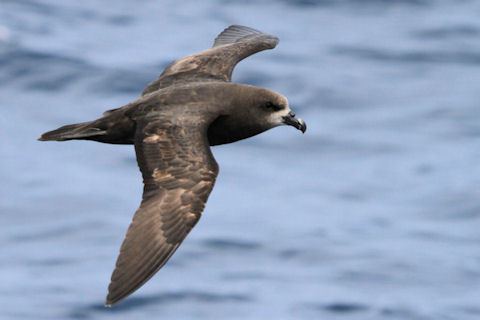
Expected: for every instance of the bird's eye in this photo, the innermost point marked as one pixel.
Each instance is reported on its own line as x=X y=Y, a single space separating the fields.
x=270 y=105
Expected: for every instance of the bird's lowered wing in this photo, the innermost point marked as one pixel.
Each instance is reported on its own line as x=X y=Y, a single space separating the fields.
x=231 y=46
x=178 y=172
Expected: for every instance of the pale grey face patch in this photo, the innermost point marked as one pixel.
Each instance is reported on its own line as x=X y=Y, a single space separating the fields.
x=276 y=118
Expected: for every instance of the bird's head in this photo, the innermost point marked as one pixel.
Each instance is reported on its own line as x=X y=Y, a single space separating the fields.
x=273 y=109
x=248 y=111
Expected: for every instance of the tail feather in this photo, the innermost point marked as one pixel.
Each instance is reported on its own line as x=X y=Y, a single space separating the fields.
x=72 y=131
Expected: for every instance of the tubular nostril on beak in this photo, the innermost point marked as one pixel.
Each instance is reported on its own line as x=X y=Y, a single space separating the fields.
x=291 y=114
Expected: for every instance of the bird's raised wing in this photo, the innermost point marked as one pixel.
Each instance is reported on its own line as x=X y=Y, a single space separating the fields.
x=178 y=172
x=231 y=46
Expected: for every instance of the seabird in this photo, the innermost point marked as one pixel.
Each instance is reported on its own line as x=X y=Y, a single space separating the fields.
x=191 y=106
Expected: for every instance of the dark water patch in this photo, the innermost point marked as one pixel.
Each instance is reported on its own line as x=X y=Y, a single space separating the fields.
x=288 y=254
x=424 y=169
x=50 y=233
x=14 y=56
x=352 y=196
x=34 y=6
x=471 y=310
x=244 y=276
x=401 y=313
x=447 y=32
x=340 y=307
x=230 y=244
x=303 y=257
x=127 y=81
x=345 y=307
x=56 y=232
x=166 y=299
x=120 y=20
x=471 y=131
x=39 y=70
x=80 y=315
x=52 y=262
x=466 y=212
x=309 y=3
x=366 y=276
x=331 y=144
x=59 y=11
x=363 y=148
x=334 y=100
x=437 y=237
x=455 y=206
x=122 y=81
x=53 y=82
x=409 y=57
x=363 y=3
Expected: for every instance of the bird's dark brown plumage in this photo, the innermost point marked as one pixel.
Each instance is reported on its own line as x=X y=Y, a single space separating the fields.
x=191 y=106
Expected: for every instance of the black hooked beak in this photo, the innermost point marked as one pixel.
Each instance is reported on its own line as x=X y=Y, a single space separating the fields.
x=295 y=122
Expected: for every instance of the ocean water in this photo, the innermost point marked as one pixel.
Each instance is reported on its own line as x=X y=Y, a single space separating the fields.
x=374 y=213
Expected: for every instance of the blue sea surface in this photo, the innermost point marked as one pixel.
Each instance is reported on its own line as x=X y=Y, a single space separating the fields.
x=373 y=214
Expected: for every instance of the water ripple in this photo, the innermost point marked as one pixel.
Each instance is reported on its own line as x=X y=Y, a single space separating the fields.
x=230 y=244
x=448 y=32
x=167 y=298
x=470 y=58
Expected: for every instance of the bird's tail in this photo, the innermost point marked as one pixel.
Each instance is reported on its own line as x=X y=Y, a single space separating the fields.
x=83 y=130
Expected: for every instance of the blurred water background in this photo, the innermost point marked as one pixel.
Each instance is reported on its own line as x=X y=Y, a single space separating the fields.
x=373 y=214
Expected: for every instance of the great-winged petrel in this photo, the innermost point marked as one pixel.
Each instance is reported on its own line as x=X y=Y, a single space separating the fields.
x=192 y=105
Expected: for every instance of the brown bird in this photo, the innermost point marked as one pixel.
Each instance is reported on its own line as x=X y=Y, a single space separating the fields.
x=192 y=105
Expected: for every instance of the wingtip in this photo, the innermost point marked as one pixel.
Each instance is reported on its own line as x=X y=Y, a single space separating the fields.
x=113 y=298
x=236 y=32
x=109 y=302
